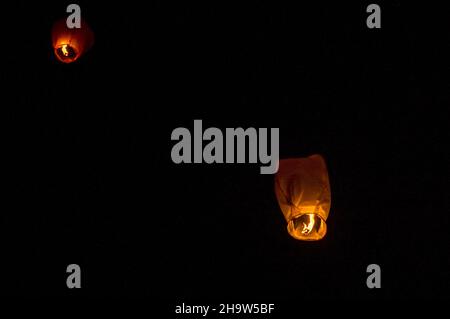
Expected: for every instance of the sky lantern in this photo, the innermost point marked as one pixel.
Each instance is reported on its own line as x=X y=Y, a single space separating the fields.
x=303 y=192
x=69 y=44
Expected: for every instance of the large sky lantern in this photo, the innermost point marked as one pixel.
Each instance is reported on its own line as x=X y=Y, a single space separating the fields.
x=303 y=192
x=70 y=44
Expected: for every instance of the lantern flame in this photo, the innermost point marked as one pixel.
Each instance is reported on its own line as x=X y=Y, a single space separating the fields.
x=64 y=50
x=308 y=228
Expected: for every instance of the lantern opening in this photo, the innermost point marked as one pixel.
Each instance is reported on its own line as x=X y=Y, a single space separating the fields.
x=66 y=53
x=307 y=227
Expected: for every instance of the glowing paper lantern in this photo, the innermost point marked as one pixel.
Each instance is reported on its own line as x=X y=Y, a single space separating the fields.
x=303 y=192
x=70 y=44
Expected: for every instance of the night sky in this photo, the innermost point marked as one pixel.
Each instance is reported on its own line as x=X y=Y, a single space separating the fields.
x=89 y=178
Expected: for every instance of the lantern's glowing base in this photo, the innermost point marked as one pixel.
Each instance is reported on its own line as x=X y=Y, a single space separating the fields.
x=66 y=53
x=307 y=227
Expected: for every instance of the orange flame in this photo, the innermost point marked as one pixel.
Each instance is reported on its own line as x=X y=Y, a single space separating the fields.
x=308 y=228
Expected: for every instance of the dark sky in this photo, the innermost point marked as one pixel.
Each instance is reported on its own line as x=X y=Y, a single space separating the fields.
x=89 y=178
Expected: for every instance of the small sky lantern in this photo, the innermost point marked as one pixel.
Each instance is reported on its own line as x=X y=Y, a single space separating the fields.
x=303 y=192
x=70 y=44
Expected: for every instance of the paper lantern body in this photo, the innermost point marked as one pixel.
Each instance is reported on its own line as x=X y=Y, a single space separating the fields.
x=303 y=192
x=70 y=44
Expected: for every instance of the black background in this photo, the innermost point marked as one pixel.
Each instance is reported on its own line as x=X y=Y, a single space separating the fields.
x=89 y=178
